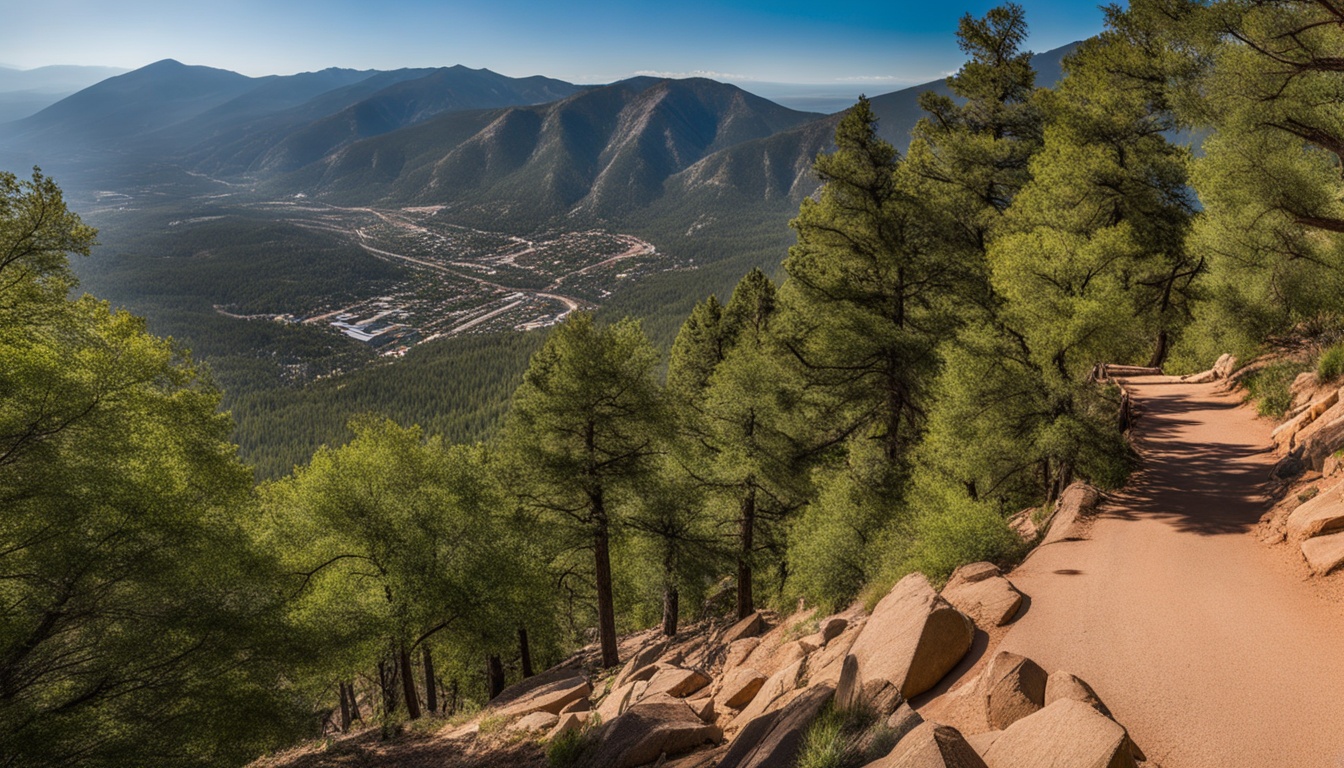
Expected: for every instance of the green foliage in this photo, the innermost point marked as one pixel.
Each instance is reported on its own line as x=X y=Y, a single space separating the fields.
x=140 y=625
x=1270 y=387
x=585 y=428
x=571 y=748
x=1330 y=365
x=844 y=739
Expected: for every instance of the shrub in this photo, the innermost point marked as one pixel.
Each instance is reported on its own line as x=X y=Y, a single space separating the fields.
x=570 y=749
x=844 y=739
x=1330 y=366
x=1271 y=387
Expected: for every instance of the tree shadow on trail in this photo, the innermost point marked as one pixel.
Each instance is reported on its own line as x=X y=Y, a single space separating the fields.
x=1205 y=486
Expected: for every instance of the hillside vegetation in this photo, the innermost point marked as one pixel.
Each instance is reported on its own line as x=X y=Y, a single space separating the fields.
x=918 y=372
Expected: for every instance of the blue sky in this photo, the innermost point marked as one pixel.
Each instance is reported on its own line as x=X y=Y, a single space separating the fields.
x=820 y=41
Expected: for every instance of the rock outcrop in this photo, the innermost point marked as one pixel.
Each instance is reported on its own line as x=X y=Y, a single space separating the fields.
x=913 y=638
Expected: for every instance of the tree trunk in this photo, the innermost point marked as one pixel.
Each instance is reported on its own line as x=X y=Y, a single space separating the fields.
x=387 y=682
x=606 y=609
x=345 y=709
x=1160 y=352
x=452 y=698
x=431 y=685
x=525 y=652
x=354 y=702
x=494 y=675
x=746 y=533
x=671 y=609
x=408 y=685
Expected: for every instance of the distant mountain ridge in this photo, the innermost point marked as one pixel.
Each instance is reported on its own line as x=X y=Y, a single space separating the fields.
x=534 y=148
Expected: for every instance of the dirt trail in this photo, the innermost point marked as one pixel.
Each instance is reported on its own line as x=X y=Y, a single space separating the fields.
x=1212 y=648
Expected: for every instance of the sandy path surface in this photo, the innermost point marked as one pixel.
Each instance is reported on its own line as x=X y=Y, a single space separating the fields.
x=1212 y=648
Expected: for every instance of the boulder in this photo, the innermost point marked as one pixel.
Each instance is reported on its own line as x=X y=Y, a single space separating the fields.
x=1024 y=525
x=981 y=742
x=751 y=626
x=1078 y=502
x=775 y=687
x=904 y=720
x=578 y=705
x=1066 y=734
x=537 y=721
x=931 y=745
x=676 y=682
x=620 y=699
x=550 y=698
x=1225 y=365
x=832 y=628
x=659 y=725
x=1322 y=514
x=1063 y=685
x=571 y=721
x=647 y=656
x=1324 y=553
x=739 y=687
x=776 y=741
x=1323 y=441
x=738 y=651
x=1014 y=688
x=980 y=591
x=913 y=638
x=703 y=708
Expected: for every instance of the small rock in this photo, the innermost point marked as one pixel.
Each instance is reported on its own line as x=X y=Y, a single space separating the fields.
x=676 y=682
x=1324 y=553
x=537 y=721
x=832 y=628
x=1062 y=685
x=620 y=699
x=775 y=687
x=983 y=594
x=570 y=721
x=1078 y=502
x=1322 y=514
x=1015 y=688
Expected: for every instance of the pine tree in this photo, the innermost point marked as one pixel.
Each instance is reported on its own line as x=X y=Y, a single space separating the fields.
x=586 y=426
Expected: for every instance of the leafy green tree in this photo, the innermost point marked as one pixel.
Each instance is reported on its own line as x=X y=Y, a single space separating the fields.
x=1269 y=179
x=586 y=428
x=392 y=541
x=138 y=624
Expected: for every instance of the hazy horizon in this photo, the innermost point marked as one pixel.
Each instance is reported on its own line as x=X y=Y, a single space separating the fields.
x=865 y=47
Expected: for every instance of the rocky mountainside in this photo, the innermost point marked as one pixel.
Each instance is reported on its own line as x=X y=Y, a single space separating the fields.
x=602 y=152
x=767 y=690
